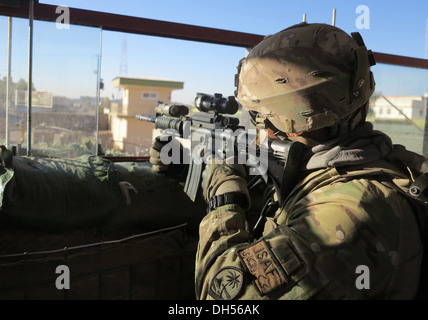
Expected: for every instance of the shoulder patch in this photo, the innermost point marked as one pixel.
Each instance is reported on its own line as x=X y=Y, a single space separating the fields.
x=227 y=284
x=262 y=264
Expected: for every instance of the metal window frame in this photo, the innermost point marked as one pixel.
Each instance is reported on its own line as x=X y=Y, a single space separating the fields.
x=130 y=24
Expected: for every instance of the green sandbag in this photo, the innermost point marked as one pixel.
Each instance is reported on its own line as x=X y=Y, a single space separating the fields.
x=6 y=170
x=62 y=194
x=58 y=193
x=157 y=200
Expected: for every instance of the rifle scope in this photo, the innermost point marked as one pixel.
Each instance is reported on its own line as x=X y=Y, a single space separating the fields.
x=217 y=103
x=174 y=110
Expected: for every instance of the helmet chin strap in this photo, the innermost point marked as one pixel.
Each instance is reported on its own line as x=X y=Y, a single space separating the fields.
x=301 y=137
x=308 y=142
x=348 y=123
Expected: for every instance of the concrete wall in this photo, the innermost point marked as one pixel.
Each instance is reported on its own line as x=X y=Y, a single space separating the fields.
x=130 y=135
x=134 y=102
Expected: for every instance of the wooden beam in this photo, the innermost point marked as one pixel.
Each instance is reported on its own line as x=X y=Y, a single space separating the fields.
x=129 y=24
x=401 y=60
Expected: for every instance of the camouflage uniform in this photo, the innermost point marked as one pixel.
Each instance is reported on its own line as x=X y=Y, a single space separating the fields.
x=334 y=220
x=346 y=230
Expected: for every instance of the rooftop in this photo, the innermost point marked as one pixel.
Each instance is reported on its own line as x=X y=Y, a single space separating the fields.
x=147 y=82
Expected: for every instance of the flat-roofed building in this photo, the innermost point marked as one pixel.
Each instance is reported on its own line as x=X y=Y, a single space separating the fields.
x=140 y=96
x=393 y=107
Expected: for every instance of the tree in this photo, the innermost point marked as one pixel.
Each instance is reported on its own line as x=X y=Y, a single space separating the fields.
x=23 y=85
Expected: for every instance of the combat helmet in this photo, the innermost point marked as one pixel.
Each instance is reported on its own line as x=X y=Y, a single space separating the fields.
x=307 y=77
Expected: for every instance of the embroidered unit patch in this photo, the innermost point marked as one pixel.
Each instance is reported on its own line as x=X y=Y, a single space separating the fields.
x=227 y=283
x=262 y=265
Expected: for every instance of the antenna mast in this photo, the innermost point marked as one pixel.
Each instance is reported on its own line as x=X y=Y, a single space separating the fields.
x=123 y=59
x=333 y=19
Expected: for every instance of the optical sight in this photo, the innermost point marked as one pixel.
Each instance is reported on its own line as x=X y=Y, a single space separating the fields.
x=217 y=103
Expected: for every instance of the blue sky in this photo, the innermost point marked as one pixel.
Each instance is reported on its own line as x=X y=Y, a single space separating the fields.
x=65 y=61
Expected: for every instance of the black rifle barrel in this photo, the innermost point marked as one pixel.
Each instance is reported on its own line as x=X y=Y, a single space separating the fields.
x=145 y=118
x=163 y=122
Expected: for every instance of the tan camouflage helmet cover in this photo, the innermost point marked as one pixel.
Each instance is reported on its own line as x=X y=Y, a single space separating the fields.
x=306 y=77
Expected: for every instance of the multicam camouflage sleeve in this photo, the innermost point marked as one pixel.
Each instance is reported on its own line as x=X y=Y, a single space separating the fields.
x=229 y=267
x=351 y=239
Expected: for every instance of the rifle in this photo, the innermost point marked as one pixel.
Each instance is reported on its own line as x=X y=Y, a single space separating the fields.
x=210 y=130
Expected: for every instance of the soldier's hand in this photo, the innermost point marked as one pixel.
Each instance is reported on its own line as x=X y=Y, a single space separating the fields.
x=157 y=156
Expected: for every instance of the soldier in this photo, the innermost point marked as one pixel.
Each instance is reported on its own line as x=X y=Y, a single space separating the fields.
x=347 y=230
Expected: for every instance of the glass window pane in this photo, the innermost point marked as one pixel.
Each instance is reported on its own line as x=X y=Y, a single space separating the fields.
x=3 y=77
x=141 y=71
x=65 y=75
x=18 y=82
x=64 y=92
x=398 y=106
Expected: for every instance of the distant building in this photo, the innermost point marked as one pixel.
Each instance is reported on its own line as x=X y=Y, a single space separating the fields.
x=140 y=96
x=38 y=99
x=414 y=107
